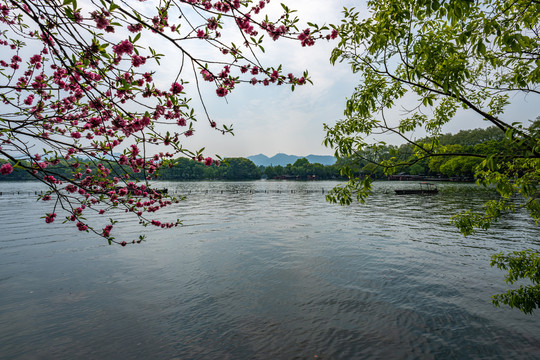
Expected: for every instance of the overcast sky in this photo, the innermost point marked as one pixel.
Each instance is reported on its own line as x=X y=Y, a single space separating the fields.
x=273 y=119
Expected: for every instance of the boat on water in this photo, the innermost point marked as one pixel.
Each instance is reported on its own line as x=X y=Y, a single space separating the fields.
x=425 y=189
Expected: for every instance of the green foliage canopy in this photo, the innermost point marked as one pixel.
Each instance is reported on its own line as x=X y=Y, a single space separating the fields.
x=471 y=56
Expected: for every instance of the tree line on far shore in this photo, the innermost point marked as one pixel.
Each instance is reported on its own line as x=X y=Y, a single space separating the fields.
x=466 y=150
x=184 y=169
x=471 y=142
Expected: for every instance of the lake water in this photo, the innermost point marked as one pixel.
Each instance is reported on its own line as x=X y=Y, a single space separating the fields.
x=263 y=270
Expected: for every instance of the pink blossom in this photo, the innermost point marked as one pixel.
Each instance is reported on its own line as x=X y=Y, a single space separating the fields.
x=29 y=99
x=123 y=160
x=81 y=226
x=201 y=34
x=332 y=35
x=176 y=88
x=212 y=24
x=6 y=169
x=36 y=59
x=107 y=230
x=181 y=122
x=134 y=150
x=77 y=17
x=222 y=6
x=305 y=38
x=208 y=161
x=5 y=10
x=71 y=188
x=101 y=21
x=207 y=75
x=225 y=72
x=147 y=77
x=50 y=218
x=221 y=91
x=135 y=28
x=138 y=61
x=124 y=47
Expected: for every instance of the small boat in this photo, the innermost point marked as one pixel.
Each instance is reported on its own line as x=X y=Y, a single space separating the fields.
x=425 y=189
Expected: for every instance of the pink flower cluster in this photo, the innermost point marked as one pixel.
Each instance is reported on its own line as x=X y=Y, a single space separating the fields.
x=107 y=230
x=176 y=88
x=306 y=39
x=137 y=60
x=332 y=35
x=84 y=117
x=207 y=75
x=274 y=32
x=201 y=34
x=49 y=218
x=81 y=226
x=123 y=47
x=245 y=25
x=212 y=24
x=221 y=91
x=257 y=8
x=102 y=21
x=135 y=28
x=29 y=100
x=6 y=169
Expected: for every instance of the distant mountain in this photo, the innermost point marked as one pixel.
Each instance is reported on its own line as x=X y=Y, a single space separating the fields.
x=284 y=159
x=321 y=159
x=260 y=159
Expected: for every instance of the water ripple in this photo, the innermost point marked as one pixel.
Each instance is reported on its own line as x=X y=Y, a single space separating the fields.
x=264 y=270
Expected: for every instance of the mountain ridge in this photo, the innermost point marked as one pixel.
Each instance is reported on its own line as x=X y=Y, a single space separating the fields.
x=284 y=159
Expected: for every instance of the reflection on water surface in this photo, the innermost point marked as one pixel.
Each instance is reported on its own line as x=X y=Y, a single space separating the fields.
x=263 y=270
